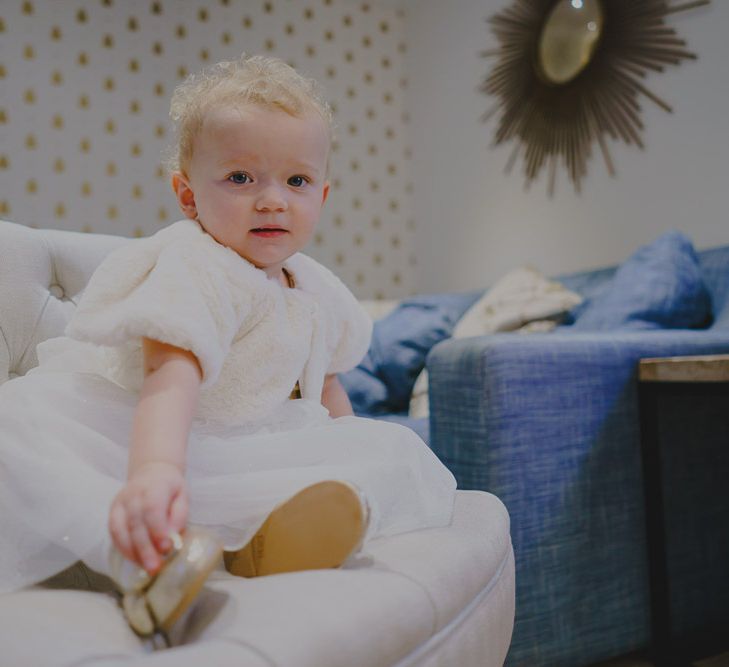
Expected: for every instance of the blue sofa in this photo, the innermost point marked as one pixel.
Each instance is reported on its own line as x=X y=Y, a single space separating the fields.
x=549 y=423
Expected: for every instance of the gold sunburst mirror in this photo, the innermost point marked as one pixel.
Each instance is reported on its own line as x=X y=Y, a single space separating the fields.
x=569 y=74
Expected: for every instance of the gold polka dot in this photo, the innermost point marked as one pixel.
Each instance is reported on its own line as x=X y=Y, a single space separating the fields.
x=4 y=162
x=109 y=83
x=157 y=48
x=268 y=7
x=202 y=14
x=269 y=45
x=112 y=212
x=377 y=259
x=137 y=192
x=161 y=174
x=354 y=165
x=27 y=8
x=339 y=258
x=374 y=186
x=181 y=72
x=334 y=108
x=56 y=78
x=181 y=31
x=83 y=102
x=138 y=232
x=310 y=50
x=347 y=20
x=351 y=93
x=385 y=62
x=318 y=239
x=28 y=52
x=226 y=38
x=134 y=65
x=2 y=24
x=132 y=24
x=156 y=8
x=328 y=35
x=372 y=149
x=368 y=77
x=162 y=214
x=338 y=221
x=371 y=113
x=59 y=166
x=29 y=96
x=289 y=28
x=393 y=205
x=379 y=294
x=358 y=240
x=31 y=187
x=392 y=169
x=85 y=145
x=359 y=278
x=331 y=72
x=4 y=207
x=397 y=278
x=2 y=71
x=389 y=133
x=107 y=41
x=387 y=98
x=87 y=229
x=57 y=122
x=364 y=7
x=349 y=56
x=225 y=3
x=56 y=34
x=60 y=210
x=395 y=241
x=366 y=41
x=204 y=55
x=384 y=26
x=376 y=222
x=308 y=13
x=160 y=131
x=136 y=149
x=81 y=16
x=247 y=22
x=85 y=189
x=135 y=107
x=82 y=59
x=352 y=129
x=30 y=142
x=107 y=3
x=110 y=169
x=110 y=126
x=356 y=203
x=159 y=89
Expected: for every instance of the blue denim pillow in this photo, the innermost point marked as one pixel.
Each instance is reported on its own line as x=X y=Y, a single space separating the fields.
x=383 y=381
x=658 y=287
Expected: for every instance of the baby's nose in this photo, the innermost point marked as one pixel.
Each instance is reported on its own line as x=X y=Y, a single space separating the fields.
x=271 y=199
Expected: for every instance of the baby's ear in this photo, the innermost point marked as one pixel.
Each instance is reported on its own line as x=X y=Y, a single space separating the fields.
x=185 y=196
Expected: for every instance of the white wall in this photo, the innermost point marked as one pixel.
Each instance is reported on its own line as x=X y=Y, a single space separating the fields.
x=474 y=223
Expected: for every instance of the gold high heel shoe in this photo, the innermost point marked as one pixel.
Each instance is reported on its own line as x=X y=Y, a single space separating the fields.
x=318 y=528
x=152 y=604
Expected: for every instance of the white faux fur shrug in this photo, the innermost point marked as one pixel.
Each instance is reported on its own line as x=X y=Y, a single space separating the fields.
x=253 y=337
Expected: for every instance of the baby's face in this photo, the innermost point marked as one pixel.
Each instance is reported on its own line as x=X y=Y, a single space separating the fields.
x=257 y=182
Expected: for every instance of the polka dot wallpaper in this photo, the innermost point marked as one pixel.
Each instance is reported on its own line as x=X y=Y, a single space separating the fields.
x=84 y=100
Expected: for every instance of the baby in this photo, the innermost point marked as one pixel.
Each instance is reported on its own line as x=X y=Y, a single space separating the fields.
x=196 y=390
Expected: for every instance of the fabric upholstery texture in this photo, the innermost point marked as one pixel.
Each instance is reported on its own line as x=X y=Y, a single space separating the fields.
x=658 y=287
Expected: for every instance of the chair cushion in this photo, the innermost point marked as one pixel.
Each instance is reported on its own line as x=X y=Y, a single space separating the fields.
x=383 y=381
x=659 y=286
x=385 y=605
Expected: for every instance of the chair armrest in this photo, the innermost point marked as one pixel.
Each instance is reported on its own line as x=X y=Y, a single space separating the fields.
x=539 y=403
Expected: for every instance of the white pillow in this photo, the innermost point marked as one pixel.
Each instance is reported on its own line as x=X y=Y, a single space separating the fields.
x=523 y=300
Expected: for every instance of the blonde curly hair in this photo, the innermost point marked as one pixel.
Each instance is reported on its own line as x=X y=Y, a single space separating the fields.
x=258 y=80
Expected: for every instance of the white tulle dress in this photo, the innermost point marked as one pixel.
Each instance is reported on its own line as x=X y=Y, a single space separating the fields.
x=65 y=426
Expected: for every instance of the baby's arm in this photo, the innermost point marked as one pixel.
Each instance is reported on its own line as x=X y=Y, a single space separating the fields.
x=154 y=500
x=334 y=398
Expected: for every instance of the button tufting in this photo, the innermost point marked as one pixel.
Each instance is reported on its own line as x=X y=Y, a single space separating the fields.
x=57 y=291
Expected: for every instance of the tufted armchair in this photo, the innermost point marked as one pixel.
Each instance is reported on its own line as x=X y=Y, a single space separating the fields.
x=427 y=598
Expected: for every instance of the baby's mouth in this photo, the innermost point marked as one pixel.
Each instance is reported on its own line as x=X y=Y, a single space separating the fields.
x=268 y=232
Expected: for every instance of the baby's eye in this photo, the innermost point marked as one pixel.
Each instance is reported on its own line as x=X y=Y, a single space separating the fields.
x=298 y=181
x=239 y=178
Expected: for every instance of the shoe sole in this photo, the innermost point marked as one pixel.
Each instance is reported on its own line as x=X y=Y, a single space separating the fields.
x=318 y=528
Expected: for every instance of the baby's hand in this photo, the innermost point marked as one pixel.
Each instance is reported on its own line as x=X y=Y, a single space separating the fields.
x=152 y=504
